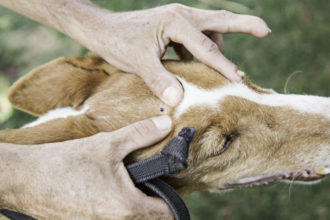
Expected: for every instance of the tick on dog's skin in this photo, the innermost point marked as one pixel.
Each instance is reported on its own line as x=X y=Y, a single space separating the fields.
x=161 y=109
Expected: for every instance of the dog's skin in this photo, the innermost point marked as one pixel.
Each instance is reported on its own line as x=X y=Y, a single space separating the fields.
x=245 y=135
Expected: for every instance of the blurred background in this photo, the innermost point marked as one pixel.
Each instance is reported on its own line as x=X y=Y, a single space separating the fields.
x=294 y=58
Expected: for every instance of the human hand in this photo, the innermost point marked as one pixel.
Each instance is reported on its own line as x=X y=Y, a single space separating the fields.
x=86 y=178
x=135 y=41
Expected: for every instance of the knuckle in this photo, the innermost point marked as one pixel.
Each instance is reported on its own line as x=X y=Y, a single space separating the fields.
x=175 y=6
x=258 y=21
x=160 y=81
x=115 y=139
x=173 y=12
x=156 y=82
x=210 y=46
x=126 y=212
x=226 y=14
x=141 y=130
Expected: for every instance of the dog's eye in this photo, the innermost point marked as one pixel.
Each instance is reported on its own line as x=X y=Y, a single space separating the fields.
x=229 y=139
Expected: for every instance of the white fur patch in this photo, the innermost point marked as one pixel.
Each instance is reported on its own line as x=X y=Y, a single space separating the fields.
x=195 y=96
x=57 y=113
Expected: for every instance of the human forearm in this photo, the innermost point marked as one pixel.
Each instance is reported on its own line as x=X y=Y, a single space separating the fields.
x=67 y=16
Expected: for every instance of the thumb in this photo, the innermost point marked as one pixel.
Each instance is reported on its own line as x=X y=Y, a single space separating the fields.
x=162 y=83
x=139 y=134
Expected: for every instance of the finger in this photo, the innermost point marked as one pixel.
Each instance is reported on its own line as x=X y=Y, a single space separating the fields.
x=223 y=21
x=207 y=52
x=216 y=38
x=181 y=52
x=138 y=135
x=162 y=83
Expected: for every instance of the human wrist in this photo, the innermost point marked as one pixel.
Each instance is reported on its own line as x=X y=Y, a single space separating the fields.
x=84 y=20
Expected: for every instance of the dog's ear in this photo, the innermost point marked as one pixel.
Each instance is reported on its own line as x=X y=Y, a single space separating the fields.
x=59 y=83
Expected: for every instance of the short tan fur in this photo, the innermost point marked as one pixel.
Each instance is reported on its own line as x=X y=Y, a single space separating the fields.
x=264 y=140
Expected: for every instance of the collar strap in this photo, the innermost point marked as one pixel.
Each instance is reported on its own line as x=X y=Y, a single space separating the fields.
x=171 y=160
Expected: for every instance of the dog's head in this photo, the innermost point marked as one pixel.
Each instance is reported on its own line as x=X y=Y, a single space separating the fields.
x=245 y=135
x=249 y=136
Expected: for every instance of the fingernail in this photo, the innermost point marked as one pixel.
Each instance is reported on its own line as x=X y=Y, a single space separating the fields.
x=163 y=122
x=240 y=73
x=238 y=76
x=269 y=30
x=172 y=96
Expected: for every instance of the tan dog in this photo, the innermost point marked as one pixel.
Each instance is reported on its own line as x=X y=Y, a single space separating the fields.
x=245 y=135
